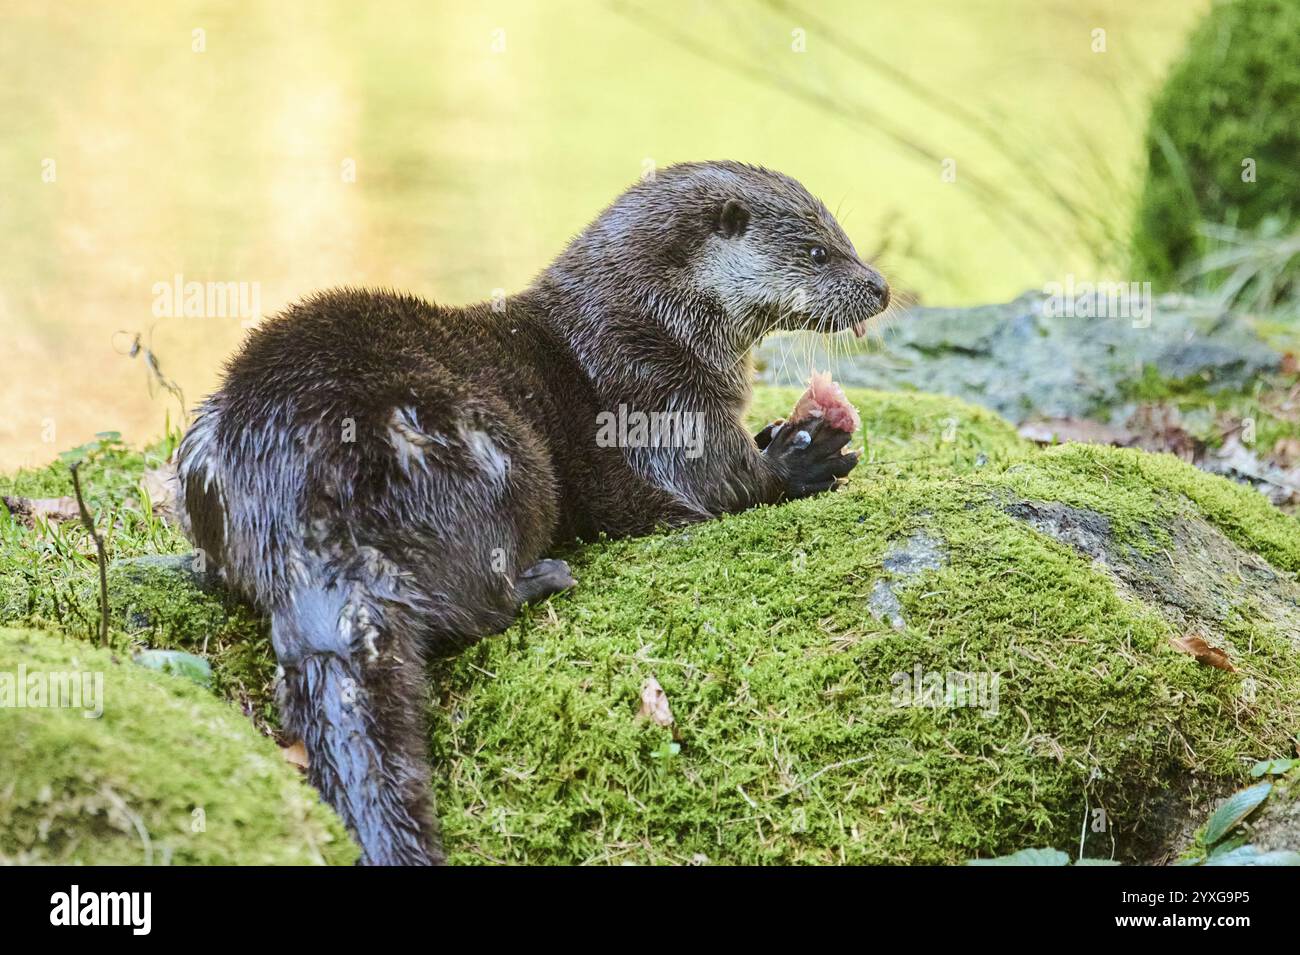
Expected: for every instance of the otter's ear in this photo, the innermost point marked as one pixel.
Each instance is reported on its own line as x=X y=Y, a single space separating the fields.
x=733 y=218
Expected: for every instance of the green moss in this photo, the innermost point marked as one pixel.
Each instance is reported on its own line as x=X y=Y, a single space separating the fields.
x=47 y=575
x=787 y=745
x=1142 y=492
x=1235 y=96
x=163 y=760
x=41 y=569
x=155 y=603
x=912 y=434
x=1242 y=513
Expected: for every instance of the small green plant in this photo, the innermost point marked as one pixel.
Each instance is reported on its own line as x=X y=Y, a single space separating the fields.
x=1255 y=270
x=106 y=443
x=1221 y=842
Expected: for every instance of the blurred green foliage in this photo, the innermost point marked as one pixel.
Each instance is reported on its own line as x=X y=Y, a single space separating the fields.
x=1234 y=97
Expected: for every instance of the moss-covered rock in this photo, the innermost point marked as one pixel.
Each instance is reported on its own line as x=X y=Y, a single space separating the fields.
x=163 y=602
x=799 y=648
x=804 y=728
x=141 y=768
x=1212 y=385
x=1234 y=97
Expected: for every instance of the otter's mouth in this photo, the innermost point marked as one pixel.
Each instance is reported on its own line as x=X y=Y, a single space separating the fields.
x=859 y=328
x=859 y=317
x=807 y=323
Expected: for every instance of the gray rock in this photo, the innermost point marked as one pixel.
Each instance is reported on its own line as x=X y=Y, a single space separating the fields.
x=883 y=604
x=1199 y=592
x=1022 y=362
x=904 y=561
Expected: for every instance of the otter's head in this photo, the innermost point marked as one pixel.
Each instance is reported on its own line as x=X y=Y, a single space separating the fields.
x=721 y=250
x=776 y=256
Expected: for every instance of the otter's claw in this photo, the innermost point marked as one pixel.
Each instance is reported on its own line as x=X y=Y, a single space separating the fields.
x=764 y=437
x=808 y=454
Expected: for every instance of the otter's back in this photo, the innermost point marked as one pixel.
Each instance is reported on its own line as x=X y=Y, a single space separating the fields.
x=367 y=416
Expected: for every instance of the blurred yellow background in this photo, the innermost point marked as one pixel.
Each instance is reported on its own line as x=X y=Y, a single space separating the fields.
x=451 y=150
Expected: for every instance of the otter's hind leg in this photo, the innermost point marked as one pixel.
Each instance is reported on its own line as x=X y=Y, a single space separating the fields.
x=544 y=579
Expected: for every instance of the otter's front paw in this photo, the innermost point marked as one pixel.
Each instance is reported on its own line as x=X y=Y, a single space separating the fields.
x=809 y=455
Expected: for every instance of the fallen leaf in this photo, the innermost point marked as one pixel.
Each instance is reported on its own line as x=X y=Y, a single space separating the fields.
x=1290 y=364
x=1159 y=428
x=1239 y=462
x=654 y=703
x=161 y=485
x=295 y=754
x=1286 y=451
x=27 y=509
x=1209 y=656
x=1061 y=430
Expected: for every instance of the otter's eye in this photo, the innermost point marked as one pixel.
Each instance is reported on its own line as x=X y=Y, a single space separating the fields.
x=818 y=254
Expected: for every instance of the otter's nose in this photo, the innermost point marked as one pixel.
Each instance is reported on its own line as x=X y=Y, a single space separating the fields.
x=876 y=282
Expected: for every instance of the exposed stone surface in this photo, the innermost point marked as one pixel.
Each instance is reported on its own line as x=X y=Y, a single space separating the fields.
x=903 y=562
x=1021 y=362
x=1201 y=582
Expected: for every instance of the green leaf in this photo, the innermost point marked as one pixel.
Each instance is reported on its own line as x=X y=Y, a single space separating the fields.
x=1026 y=857
x=1098 y=862
x=1234 y=809
x=1250 y=855
x=1273 y=767
x=668 y=750
x=1237 y=856
x=1228 y=845
x=177 y=663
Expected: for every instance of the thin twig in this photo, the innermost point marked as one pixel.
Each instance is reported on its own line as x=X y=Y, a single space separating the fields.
x=137 y=348
x=825 y=769
x=100 y=556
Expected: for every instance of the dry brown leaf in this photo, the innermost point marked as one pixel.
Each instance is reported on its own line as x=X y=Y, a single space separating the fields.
x=160 y=484
x=27 y=509
x=1286 y=451
x=1209 y=656
x=295 y=754
x=1159 y=428
x=654 y=703
x=1290 y=365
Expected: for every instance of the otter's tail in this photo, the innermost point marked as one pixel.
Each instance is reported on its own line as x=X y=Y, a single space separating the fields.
x=352 y=690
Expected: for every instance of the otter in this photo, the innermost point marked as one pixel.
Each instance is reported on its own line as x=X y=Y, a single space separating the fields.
x=383 y=477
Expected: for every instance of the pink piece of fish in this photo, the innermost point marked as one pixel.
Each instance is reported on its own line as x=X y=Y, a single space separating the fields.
x=825 y=399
